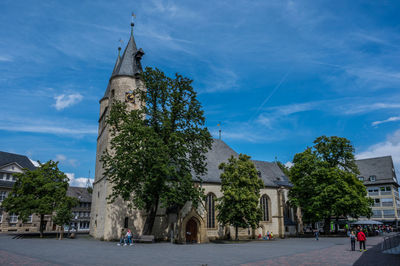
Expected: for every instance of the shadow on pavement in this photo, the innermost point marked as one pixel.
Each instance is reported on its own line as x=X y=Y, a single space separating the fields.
x=374 y=256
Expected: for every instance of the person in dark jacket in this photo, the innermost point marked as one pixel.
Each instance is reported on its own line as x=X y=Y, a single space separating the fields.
x=353 y=241
x=361 y=238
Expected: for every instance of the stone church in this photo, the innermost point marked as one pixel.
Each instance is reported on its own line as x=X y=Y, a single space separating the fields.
x=196 y=225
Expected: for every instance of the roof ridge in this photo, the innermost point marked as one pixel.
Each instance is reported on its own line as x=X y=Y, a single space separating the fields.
x=379 y=157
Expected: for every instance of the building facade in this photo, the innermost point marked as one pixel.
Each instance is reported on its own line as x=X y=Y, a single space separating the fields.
x=379 y=177
x=81 y=213
x=195 y=224
x=10 y=164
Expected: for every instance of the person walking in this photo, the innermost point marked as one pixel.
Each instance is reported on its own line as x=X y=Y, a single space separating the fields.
x=122 y=240
x=361 y=238
x=316 y=233
x=353 y=241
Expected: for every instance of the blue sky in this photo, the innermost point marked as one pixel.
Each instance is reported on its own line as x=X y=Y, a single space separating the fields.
x=277 y=74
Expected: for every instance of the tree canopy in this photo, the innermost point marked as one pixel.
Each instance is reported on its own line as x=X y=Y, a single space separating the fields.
x=156 y=149
x=40 y=191
x=240 y=185
x=325 y=183
x=63 y=213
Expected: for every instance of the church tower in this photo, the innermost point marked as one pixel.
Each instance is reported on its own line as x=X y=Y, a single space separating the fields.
x=124 y=79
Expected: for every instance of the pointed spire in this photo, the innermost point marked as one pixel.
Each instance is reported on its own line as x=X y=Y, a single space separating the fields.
x=106 y=94
x=129 y=64
x=117 y=62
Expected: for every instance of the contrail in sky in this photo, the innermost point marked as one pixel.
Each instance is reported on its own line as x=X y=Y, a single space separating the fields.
x=271 y=94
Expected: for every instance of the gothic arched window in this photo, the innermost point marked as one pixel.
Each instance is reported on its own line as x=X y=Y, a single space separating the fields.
x=264 y=203
x=210 y=207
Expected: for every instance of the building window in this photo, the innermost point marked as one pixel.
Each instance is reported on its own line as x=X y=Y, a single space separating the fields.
x=210 y=207
x=1 y=216
x=376 y=213
x=265 y=208
x=8 y=177
x=372 y=178
x=387 y=202
x=388 y=214
x=13 y=218
x=29 y=219
x=3 y=195
x=361 y=178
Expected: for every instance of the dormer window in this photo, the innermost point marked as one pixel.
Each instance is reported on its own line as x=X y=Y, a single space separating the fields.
x=372 y=178
x=361 y=178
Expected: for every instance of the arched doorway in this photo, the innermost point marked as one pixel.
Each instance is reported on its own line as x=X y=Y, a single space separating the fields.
x=191 y=231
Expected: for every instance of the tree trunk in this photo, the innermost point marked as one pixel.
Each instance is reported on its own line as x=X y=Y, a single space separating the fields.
x=41 y=225
x=337 y=225
x=150 y=219
x=236 y=233
x=61 y=232
x=327 y=226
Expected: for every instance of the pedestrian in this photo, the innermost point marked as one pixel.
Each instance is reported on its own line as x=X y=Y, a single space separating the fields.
x=353 y=241
x=316 y=233
x=122 y=240
x=129 y=237
x=361 y=238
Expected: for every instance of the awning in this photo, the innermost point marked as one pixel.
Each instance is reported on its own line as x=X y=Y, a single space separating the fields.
x=367 y=222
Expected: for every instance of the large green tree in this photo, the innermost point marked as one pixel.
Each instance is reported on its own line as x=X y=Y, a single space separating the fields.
x=40 y=191
x=240 y=185
x=158 y=148
x=325 y=183
x=63 y=213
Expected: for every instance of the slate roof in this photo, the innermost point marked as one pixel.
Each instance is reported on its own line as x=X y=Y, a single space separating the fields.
x=221 y=152
x=129 y=64
x=81 y=193
x=22 y=160
x=381 y=167
x=271 y=174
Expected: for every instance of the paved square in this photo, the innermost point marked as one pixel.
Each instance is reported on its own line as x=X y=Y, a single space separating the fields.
x=86 y=251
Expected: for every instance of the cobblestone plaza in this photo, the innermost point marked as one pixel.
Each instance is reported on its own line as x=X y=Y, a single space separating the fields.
x=293 y=251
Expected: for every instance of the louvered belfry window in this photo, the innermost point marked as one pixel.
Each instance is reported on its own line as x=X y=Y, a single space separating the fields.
x=210 y=205
x=264 y=207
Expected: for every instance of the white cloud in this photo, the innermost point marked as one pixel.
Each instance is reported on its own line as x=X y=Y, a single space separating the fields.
x=365 y=108
x=60 y=157
x=222 y=79
x=64 y=101
x=390 y=119
x=4 y=58
x=77 y=181
x=289 y=164
x=35 y=163
x=49 y=129
x=40 y=125
x=65 y=160
x=391 y=146
x=263 y=120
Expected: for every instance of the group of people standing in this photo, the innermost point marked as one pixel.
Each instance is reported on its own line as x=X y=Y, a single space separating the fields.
x=126 y=238
x=268 y=236
x=360 y=237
